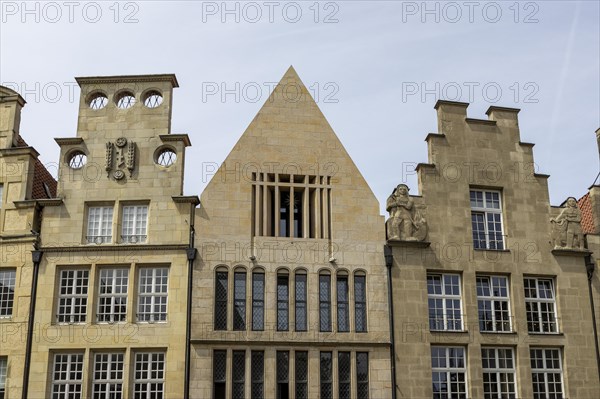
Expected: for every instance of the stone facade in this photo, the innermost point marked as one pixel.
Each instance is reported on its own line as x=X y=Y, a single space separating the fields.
x=511 y=248
x=289 y=146
x=290 y=286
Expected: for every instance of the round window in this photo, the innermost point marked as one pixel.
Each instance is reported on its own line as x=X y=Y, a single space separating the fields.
x=125 y=100
x=166 y=157
x=77 y=159
x=153 y=99
x=97 y=101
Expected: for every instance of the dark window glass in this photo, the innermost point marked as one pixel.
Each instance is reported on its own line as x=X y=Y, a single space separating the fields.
x=258 y=301
x=326 y=376
x=325 y=302
x=238 y=374
x=239 y=292
x=344 y=375
x=283 y=366
x=362 y=375
x=219 y=373
x=301 y=375
x=343 y=323
x=258 y=373
x=360 y=303
x=221 y=301
x=300 y=292
x=283 y=303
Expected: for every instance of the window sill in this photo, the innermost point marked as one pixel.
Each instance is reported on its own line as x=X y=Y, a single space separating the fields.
x=449 y=331
x=556 y=334
x=499 y=332
x=491 y=250
x=5 y=319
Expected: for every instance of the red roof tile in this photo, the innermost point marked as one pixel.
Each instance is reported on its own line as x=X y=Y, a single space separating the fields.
x=587 y=220
x=43 y=182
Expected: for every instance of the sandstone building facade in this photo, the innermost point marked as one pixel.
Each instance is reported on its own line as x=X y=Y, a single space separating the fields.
x=283 y=280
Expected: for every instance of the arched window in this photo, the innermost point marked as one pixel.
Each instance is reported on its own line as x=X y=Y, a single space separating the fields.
x=239 y=299
x=283 y=300
x=324 y=301
x=360 y=301
x=343 y=305
x=221 y=279
x=300 y=294
x=258 y=299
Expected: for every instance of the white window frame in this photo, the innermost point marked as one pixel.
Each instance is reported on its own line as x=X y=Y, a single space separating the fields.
x=153 y=295
x=113 y=275
x=449 y=370
x=498 y=371
x=73 y=296
x=100 y=231
x=146 y=372
x=493 y=299
x=134 y=230
x=71 y=361
x=485 y=210
x=539 y=301
x=8 y=279
x=545 y=370
x=112 y=363
x=443 y=296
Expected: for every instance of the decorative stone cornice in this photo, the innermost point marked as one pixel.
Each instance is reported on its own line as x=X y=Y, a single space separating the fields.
x=128 y=79
x=434 y=135
x=186 y=199
x=15 y=151
x=42 y=202
x=571 y=252
x=176 y=137
x=453 y=103
x=502 y=109
x=486 y=122
x=68 y=141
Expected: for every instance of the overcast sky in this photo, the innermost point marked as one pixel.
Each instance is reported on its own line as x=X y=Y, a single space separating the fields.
x=376 y=69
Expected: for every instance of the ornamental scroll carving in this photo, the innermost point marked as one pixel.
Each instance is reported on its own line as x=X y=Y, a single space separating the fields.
x=406 y=222
x=566 y=227
x=120 y=157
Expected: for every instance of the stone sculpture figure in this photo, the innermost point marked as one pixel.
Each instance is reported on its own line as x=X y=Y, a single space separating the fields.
x=405 y=223
x=566 y=228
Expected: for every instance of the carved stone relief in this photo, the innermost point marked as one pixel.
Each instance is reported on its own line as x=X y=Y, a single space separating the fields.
x=406 y=222
x=566 y=228
x=120 y=156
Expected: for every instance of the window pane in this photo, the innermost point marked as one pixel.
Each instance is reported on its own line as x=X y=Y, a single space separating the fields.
x=238 y=373
x=342 y=304
x=282 y=302
x=301 y=374
x=326 y=376
x=258 y=366
x=258 y=301
x=300 y=293
x=221 y=301
x=325 y=302
x=360 y=303
x=362 y=375
x=344 y=375
x=239 y=292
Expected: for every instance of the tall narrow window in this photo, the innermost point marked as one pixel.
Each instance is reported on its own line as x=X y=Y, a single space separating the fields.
x=362 y=375
x=221 y=301
x=3 y=362
x=324 y=302
x=344 y=375
x=112 y=295
x=499 y=375
x=135 y=220
x=67 y=378
x=238 y=375
x=99 y=228
x=149 y=375
x=257 y=375
x=301 y=374
x=107 y=380
x=300 y=303
x=326 y=376
x=1 y=192
x=258 y=301
x=283 y=302
x=7 y=291
x=540 y=305
x=360 y=303
x=283 y=370
x=448 y=372
x=153 y=293
x=546 y=373
x=486 y=220
x=444 y=302
x=493 y=304
x=239 y=292
x=219 y=374
x=343 y=322
x=72 y=296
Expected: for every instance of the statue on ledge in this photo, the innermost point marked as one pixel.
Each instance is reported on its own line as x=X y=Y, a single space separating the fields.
x=405 y=223
x=566 y=228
